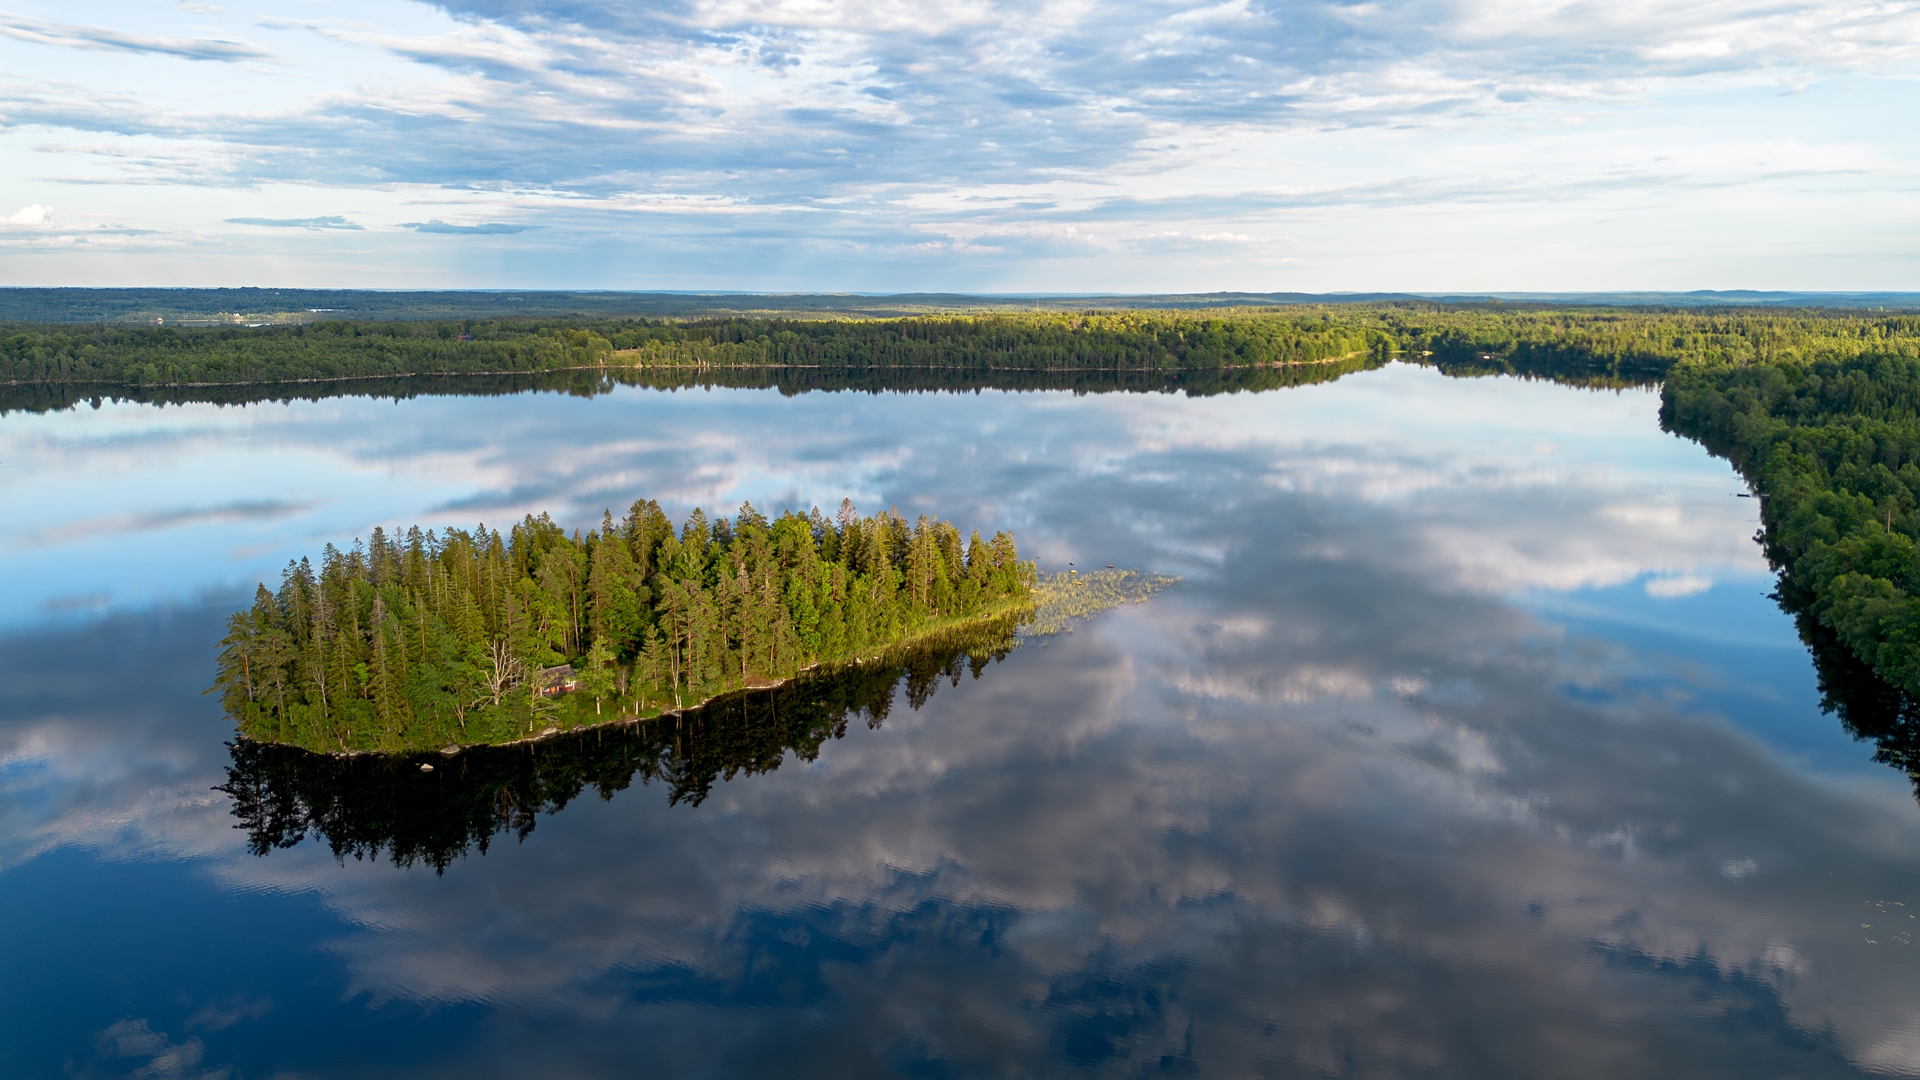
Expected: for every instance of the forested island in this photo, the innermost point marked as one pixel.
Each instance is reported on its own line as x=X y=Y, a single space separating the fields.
x=462 y=637
x=366 y=804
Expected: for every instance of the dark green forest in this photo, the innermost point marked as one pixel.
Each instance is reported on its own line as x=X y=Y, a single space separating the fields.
x=423 y=638
x=187 y=356
x=1497 y=339
x=70 y=363
x=369 y=804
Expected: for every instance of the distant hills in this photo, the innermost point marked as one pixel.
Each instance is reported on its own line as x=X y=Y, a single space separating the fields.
x=1721 y=298
x=202 y=307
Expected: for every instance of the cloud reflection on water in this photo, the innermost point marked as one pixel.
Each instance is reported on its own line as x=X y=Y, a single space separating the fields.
x=1335 y=806
x=1448 y=449
x=122 y=524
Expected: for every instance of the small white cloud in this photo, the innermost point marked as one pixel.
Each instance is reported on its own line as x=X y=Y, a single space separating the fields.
x=334 y=222
x=491 y=228
x=1233 y=10
x=1670 y=588
x=32 y=214
x=1690 y=50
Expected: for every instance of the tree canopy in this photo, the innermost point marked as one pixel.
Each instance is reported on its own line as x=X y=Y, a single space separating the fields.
x=423 y=638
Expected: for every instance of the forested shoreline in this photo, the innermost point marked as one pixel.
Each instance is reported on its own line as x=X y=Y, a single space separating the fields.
x=463 y=637
x=1832 y=447
x=1603 y=346
x=184 y=356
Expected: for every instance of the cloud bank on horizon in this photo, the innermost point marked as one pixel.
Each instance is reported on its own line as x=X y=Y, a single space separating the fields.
x=970 y=145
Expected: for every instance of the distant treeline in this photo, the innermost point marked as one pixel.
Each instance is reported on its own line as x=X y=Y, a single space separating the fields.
x=364 y=806
x=1600 y=343
x=287 y=306
x=423 y=639
x=186 y=356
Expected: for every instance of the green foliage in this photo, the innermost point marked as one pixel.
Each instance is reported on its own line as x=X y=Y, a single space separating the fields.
x=1605 y=345
x=429 y=638
x=1833 y=448
x=1064 y=599
x=1092 y=340
x=1487 y=338
x=227 y=355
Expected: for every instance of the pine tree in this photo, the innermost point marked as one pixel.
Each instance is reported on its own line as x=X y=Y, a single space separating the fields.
x=598 y=676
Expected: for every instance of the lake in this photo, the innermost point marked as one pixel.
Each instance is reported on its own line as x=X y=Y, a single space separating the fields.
x=1470 y=744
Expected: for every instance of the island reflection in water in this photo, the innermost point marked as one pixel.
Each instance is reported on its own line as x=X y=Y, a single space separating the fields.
x=365 y=804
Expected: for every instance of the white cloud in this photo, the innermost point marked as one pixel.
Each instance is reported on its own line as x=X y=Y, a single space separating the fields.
x=844 y=128
x=31 y=214
x=1667 y=588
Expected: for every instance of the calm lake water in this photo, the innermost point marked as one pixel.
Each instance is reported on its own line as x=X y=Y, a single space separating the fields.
x=1470 y=745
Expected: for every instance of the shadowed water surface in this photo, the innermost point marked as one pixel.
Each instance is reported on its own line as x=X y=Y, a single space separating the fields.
x=1469 y=746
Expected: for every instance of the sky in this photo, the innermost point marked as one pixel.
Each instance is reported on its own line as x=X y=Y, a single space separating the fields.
x=967 y=145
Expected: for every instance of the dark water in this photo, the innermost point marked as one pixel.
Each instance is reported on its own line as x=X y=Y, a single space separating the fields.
x=1470 y=746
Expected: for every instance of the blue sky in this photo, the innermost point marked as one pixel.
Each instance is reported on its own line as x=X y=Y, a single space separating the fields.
x=970 y=145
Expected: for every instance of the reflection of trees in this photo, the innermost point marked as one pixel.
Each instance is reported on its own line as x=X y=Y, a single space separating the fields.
x=1868 y=706
x=1199 y=382
x=364 y=805
x=1591 y=373
x=790 y=381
